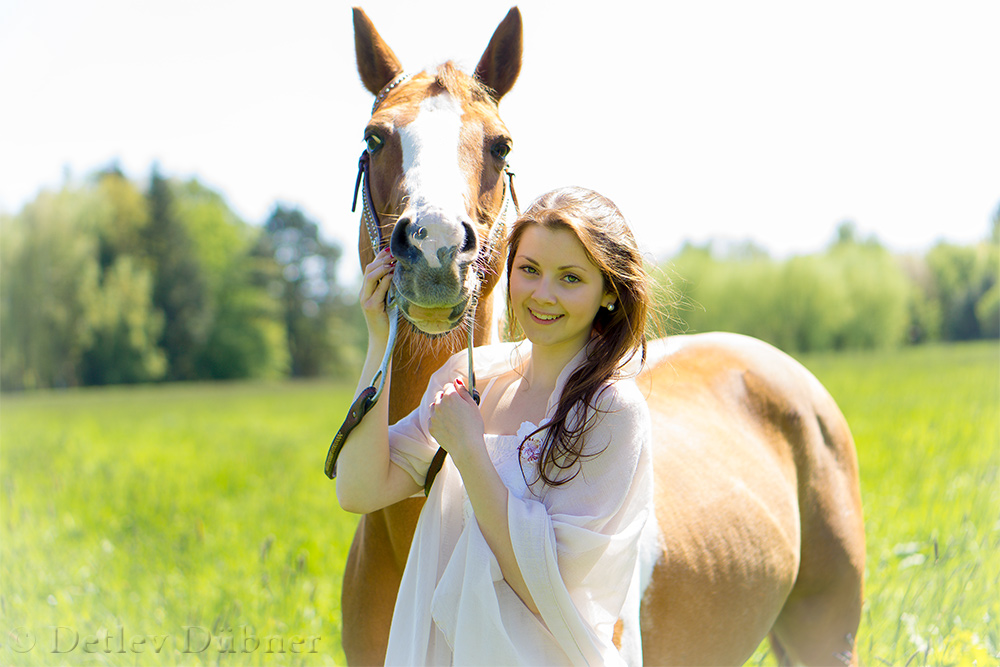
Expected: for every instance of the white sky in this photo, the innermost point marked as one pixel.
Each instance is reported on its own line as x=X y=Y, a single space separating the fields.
x=772 y=121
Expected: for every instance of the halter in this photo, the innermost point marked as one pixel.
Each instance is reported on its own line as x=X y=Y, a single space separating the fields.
x=367 y=398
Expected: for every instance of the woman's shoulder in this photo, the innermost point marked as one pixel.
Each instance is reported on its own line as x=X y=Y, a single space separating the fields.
x=621 y=394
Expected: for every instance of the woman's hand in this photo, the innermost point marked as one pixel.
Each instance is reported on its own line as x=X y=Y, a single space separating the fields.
x=456 y=422
x=374 y=287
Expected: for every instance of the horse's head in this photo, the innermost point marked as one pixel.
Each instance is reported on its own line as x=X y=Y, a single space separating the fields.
x=437 y=152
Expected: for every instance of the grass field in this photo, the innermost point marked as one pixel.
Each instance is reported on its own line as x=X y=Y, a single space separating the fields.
x=192 y=524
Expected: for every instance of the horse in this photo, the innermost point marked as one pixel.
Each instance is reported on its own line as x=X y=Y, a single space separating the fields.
x=758 y=507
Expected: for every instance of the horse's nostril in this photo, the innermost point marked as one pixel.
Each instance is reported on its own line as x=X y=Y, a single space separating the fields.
x=399 y=242
x=469 y=245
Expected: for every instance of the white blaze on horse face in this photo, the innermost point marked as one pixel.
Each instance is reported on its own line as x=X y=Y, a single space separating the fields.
x=436 y=188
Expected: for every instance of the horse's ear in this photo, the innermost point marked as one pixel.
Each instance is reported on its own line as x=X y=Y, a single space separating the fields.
x=501 y=62
x=377 y=64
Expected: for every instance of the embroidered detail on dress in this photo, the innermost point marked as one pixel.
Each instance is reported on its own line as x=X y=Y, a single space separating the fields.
x=531 y=448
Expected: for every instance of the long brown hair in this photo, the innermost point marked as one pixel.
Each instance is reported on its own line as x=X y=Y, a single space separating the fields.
x=618 y=334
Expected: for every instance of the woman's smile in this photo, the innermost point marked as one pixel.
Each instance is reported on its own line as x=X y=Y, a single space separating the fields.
x=542 y=317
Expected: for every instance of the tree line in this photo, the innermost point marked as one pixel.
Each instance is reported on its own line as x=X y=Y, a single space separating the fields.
x=110 y=281
x=855 y=294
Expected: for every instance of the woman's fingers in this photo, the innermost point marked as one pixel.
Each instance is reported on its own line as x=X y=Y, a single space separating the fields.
x=377 y=278
x=457 y=389
x=374 y=286
x=465 y=392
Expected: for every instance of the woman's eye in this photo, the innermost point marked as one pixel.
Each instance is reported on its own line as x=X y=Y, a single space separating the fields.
x=570 y=278
x=374 y=142
x=528 y=269
x=501 y=149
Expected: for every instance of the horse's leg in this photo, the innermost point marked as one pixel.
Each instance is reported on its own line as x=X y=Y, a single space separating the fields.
x=374 y=569
x=371 y=581
x=819 y=621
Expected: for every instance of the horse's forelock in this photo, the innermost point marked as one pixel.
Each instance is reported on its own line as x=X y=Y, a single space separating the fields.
x=460 y=85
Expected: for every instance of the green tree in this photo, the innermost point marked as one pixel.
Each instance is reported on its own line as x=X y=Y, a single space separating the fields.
x=103 y=283
x=854 y=295
x=963 y=277
x=877 y=292
x=48 y=283
x=179 y=286
x=246 y=336
x=125 y=329
x=922 y=304
x=813 y=302
x=304 y=279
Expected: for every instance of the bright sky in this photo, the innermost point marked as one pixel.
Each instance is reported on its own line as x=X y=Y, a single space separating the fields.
x=772 y=121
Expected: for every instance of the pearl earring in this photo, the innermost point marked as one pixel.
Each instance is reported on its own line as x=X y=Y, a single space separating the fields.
x=611 y=306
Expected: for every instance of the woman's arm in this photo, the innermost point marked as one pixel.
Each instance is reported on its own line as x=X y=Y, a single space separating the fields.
x=488 y=496
x=457 y=424
x=366 y=479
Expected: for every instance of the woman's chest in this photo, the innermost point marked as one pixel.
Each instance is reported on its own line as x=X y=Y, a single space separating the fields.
x=515 y=457
x=509 y=403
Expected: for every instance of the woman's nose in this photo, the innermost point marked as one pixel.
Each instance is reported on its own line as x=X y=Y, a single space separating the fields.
x=543 y=292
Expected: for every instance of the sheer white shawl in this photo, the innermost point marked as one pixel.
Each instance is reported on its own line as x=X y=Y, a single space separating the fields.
x=577 y=545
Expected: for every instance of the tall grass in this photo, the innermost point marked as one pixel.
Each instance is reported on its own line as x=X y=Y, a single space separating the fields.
x=184 y=511
x=165 y=516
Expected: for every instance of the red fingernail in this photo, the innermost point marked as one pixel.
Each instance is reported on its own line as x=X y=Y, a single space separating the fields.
x=458 y=381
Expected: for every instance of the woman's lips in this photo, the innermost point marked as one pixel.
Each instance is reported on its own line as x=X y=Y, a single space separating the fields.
x=543 y=318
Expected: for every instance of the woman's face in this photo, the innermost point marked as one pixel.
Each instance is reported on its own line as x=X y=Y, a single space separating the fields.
x=555 y=290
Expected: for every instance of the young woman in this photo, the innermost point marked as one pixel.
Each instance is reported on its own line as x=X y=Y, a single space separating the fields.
x=526 y=551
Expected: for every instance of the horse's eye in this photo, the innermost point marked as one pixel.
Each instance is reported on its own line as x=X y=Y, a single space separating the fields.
x=374 y=142
x=501 y=149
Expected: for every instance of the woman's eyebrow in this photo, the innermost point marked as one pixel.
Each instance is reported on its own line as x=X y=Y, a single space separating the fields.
x=561 y=268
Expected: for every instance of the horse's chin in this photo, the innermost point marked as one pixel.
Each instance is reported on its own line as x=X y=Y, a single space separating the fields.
x=433 y=321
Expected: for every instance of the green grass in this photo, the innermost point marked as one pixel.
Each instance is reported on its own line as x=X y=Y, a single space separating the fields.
x=144 y=511
x=157 y=509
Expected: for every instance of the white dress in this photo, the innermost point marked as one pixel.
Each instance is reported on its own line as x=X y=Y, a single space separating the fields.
x=577 y=545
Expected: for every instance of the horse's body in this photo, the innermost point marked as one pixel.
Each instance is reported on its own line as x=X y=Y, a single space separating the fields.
x=758 y=505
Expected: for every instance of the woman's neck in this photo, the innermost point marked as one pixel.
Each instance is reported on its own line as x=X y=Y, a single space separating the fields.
x=545 y=365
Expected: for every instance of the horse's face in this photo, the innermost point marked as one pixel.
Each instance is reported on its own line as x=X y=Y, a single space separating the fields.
x=437 y=150
x=437 y=157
